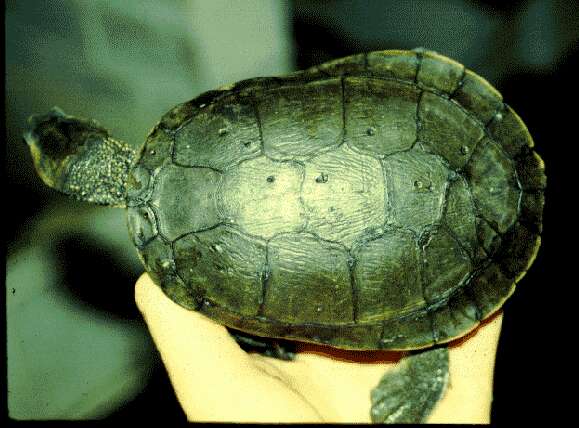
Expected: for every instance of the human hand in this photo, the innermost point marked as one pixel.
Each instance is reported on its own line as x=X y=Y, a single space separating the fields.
x=216 y=381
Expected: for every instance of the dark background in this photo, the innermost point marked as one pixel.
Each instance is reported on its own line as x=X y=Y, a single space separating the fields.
x=527 y=49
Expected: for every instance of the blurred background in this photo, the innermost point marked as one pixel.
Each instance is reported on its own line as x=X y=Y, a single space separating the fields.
x=77 y=346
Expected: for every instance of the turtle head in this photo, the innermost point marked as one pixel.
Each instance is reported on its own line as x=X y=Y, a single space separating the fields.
x=55 y=139
x=78 y=157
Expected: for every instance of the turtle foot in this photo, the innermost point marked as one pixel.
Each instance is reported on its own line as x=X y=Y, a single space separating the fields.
x=274 y=348
x=409 y=394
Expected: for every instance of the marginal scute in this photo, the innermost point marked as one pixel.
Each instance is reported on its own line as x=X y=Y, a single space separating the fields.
x=156 y=151
x=380 y=115
x=181 y=113
x=519 y=249
x=353 y=64
x=258 y=85
x=439 y=72
x=490 y=288
x=352 y=336
x=445 y=129
x=488 y=238
x=356 y=336
x=387 y=275
x=409 y=332
x=532 y=210
x=157 y=256
x=226 y=265
x=219 y=135
x=177 y=115
x=343 y=195
x=478 y=97
x=309 y=281
x=394 y=64
x=179 y=292
x=492 y=179
x=138 y=185
x=446 y=266
x=454 y=318
x=460 y=214
x=299 y=122
x=262 y=197
x=510 y=132
x=142 y=224
x=530 y=170
x=417 y=184
x=185 y=199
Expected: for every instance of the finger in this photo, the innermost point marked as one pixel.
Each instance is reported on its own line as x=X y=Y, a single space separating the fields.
x=214 y=379
x=337 y=381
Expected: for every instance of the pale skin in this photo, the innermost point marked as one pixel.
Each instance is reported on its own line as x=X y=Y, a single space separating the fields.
x=216 y=381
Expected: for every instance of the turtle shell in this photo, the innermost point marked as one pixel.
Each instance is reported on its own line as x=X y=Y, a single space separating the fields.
x=387 y=200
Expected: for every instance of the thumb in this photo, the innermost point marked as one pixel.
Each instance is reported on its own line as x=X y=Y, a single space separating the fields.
x=213 y=378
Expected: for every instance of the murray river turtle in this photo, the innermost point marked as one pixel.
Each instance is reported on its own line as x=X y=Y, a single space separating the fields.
x=388 y=200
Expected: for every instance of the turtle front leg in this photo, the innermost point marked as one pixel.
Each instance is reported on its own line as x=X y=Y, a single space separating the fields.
x=409 y=394
x=274 y=348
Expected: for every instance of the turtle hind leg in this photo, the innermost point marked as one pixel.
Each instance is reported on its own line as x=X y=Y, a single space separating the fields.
x=408 y=394
x=79 y=158
x=274 y=348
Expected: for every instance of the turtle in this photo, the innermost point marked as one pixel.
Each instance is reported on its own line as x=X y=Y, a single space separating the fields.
x=387 y=200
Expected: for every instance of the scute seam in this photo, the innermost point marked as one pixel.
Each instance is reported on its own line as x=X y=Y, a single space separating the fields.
x=525 y=151
x=469 y=289
x=343 y=85
x=183 y=235
x=259 y=126
x=157 y=224
x=142 y=199
x=200 y=299
x=417 y=120
x=423 y=242
x=499 y=111
x=419 y=58
x=459 y=84
x=354 y=285
x=451 y=233
x=388 y=215
x=265 y=281
x=313 y=234
x=180 y=165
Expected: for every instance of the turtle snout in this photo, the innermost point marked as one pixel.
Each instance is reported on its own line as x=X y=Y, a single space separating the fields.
x=37 y=120
x=30 y=138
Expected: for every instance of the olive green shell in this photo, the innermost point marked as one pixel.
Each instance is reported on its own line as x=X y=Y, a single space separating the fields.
x=387 y=200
